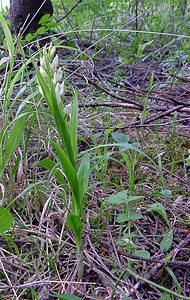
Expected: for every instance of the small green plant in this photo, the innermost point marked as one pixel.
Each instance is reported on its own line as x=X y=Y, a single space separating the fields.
x=49 y=78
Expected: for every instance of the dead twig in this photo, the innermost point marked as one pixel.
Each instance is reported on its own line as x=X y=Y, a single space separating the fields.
x=155 y=271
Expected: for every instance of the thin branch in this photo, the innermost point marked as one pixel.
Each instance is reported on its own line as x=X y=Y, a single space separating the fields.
x=69 y=12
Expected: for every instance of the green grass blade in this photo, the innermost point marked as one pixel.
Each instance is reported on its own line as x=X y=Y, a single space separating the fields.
x=8 y=36
x=13 y=141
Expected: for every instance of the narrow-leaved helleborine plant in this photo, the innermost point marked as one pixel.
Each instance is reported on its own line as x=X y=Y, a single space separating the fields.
x=51 y=86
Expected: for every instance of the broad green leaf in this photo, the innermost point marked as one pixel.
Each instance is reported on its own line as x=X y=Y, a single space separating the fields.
x=130 y=217
x=134 y=198
x=45 y=19
x=66 y=297
x=6 y=219
x=122 y=197
x=13 y=141
x=126 y=298
x=118 y=198
x=74 y=222
x=166 y=242
x=52 y=166
x=163 y=193
x=29 y=37
x=166 y=193
x=160 y=209
x=83 y=174
x=142 y=253
x=120 y=137
x=142 y=47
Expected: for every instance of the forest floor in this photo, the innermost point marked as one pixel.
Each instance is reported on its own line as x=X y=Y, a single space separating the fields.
x=134 y=250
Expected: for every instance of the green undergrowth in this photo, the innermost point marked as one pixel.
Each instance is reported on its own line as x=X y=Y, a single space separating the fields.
x=87 y=204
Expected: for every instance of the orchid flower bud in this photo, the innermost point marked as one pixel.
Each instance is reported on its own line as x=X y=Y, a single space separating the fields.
x=57 y=76
x=59 y=90
x=43 y=62
x=67 y=109
x=54 y=63
x=52 y=52
x=43 y=73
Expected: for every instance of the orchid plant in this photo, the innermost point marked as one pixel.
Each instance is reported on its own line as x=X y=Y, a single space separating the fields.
x=51 y=87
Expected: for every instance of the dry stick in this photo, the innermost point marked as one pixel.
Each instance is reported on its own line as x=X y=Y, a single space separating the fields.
x=131 y=106
x=162 y=288
x=105 y=90
x=156 y=117
x=159 y=266
x=69 y=12
x=67 y=16
x=24 y=286
x=154 y=95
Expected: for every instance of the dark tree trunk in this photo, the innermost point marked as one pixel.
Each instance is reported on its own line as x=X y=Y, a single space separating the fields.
x=24 y=14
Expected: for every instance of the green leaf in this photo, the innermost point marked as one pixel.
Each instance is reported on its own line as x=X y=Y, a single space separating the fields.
x=130 y=217
x=74 y=125
x=172 y=274
x=120 y=137
x=52 y=166
x=45 y=19
x=166 y=242
x=160 y=209
x=13 y=141
x=29 y=37
x=74 y=222
x=6 y=219
x=165 y=297
x=8 y=36
x=126 y=298
x=118 y=198
x=142 y=253
x=122 y=197
x=83 y=175
x=142 y=47
x=163 y=193
x=66 y=297
x=71 y=175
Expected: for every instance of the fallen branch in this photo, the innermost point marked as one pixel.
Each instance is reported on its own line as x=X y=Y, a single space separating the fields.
x=155 y=271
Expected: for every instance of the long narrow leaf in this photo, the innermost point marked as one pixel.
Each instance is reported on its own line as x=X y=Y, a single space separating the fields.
x=71 y=175
x=62 y=126
x=83 y=175
x=13 y=141
x=74 y=125
x=8 y=36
